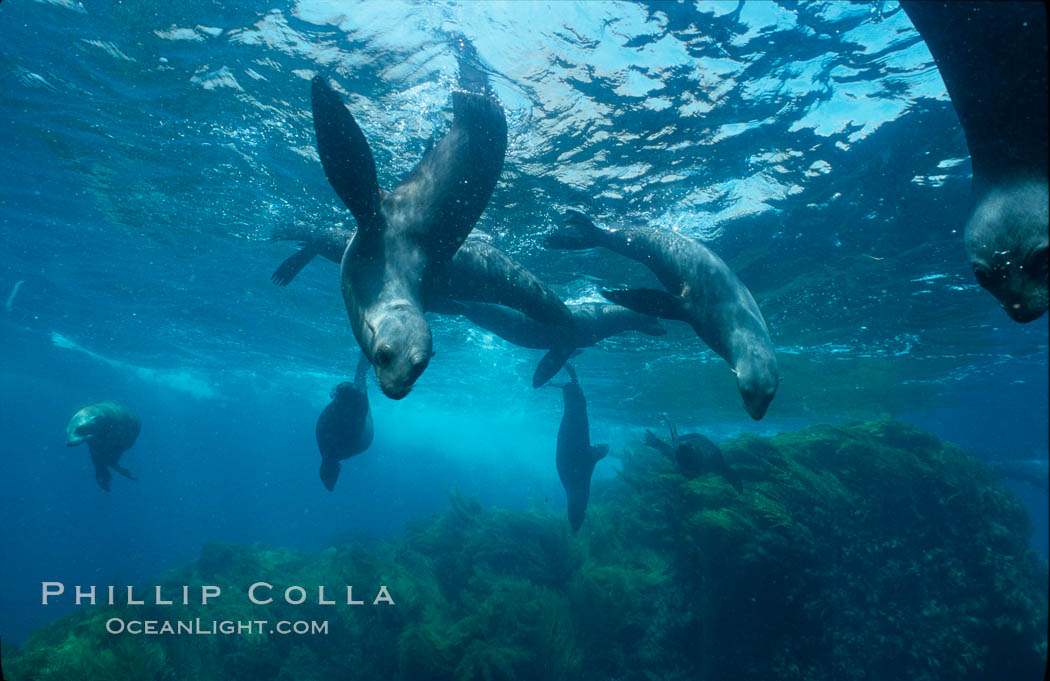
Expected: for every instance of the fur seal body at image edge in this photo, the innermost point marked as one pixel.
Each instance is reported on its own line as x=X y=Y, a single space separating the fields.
x=992 y=57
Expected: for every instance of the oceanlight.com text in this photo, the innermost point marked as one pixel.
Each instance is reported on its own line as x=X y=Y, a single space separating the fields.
x=199 y=627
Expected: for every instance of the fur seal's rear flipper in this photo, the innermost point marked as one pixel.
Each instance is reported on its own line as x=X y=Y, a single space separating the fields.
x=102 y=475
x=585 y=234
x=647 y=301
x=291 y=267
x=330 y=473
x=992 y=57
x=345 y=154
x=551 y=364
x=652 y=440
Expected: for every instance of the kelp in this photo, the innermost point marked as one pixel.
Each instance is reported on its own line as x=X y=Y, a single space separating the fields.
x=856 y=551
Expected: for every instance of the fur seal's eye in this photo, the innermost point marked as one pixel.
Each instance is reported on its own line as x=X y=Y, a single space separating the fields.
x=384 y=356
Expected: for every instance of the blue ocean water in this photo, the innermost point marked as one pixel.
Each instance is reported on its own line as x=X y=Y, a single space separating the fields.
x=151 y=149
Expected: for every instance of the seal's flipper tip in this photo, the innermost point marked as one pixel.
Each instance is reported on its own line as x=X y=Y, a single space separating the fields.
x=345 y=154
x=599 y=452
x=472 y=75
x=551 y=364
x=329 y=473
x=291 y=267
x=125 y=472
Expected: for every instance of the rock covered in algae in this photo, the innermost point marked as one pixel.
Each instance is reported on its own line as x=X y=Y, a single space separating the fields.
x=861 y=551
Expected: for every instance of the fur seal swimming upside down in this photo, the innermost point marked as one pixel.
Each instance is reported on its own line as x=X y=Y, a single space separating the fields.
x=701 y=291
x=405 y=235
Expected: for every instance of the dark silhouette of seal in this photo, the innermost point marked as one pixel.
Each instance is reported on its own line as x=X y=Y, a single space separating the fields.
x=478 y=272
x=592 y=323
x=694 y=455
x=576 y=456
x=404 y=236
x=1035 y=472
x=992 y=57
x=344 y=427
x=109 y=429
x=701 y=291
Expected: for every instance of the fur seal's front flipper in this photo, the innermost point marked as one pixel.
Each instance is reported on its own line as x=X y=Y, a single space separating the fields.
x=124 y=471
x=292 y=266
x=551 y=364
x=648 y=301
x=455 y=179
x=345 y=155
x=992 y=57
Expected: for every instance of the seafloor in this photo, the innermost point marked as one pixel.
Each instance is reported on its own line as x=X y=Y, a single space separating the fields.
x=861 y=551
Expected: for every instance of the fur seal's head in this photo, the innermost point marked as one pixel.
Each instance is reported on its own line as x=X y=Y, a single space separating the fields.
x=82 y=427
x=1006 y=241
x=757 y=379
x=400 y=349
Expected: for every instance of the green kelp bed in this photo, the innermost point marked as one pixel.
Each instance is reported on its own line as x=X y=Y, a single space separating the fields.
x=863 y=551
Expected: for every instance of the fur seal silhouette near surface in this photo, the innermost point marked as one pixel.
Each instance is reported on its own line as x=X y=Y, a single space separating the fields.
x=576 y=456
x=109 y=429
x=694 y=455
x=344 y=428
x=405 y=235
x=992 y=57
x=701 y=290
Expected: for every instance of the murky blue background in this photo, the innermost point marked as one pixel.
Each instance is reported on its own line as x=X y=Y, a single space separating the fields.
x=148 y=150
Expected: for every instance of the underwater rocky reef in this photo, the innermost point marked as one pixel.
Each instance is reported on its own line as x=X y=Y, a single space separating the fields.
x=858 y=551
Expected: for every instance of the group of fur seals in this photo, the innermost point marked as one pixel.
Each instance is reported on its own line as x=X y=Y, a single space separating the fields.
x=992 y=57
x=109 y=429
x=694 y=455
x=576 y=456
x=344 y=427
x=405 y=236
x=701 y=290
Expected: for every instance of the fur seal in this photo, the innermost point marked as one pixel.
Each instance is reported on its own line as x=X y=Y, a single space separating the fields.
x=701 y=291
x=478 y=272
x=1035 y=472
x=402 y=236
x=576 y=456
x=992 y=57
x=109 y=429
x=694 y=455
x=344 y=427
x=592 y=323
